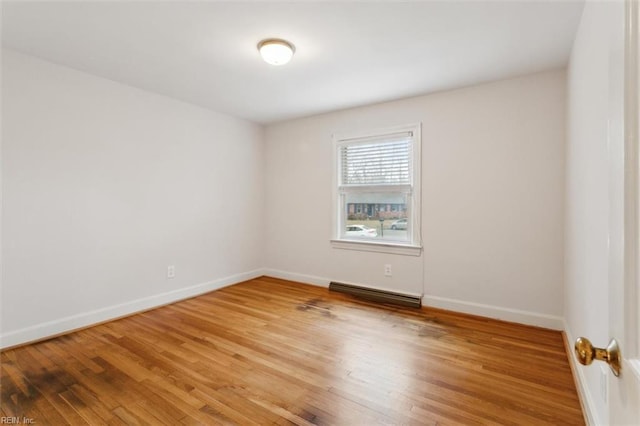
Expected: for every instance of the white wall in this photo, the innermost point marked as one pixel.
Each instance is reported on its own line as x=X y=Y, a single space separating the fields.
x=104 y=186
x=492 y=201
x=588 y=194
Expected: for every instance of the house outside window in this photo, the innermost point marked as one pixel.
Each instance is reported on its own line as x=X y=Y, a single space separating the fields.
x=377 y=191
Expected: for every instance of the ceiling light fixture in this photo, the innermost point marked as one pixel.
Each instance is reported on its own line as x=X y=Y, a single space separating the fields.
x=275 y=51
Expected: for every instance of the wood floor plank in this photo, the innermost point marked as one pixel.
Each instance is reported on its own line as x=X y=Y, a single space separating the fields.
x=270 y=351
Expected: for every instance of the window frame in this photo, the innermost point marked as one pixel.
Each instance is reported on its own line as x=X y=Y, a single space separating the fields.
x=413 y=246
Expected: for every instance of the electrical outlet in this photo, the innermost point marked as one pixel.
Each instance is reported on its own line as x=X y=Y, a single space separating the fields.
x=387 y=270
x=171 y=271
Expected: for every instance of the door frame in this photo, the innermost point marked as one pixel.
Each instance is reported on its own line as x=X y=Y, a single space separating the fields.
x=631 y=236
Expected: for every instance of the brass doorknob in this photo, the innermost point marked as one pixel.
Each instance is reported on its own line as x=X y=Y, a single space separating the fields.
x=586 y=353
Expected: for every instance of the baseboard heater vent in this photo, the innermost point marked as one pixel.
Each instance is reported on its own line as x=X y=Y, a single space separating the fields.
x=377 y=295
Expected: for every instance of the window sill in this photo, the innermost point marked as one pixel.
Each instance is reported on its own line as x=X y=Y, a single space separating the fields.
x=403 y=249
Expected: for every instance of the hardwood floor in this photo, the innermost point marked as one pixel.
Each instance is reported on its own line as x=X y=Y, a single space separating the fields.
x=274 y=352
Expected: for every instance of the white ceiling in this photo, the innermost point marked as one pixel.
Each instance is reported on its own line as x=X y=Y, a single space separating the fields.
x=347 y=53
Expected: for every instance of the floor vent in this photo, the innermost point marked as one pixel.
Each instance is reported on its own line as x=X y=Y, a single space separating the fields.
x=377 y=295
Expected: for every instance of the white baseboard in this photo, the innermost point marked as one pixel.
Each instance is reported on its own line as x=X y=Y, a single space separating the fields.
x=75 y=322
x=293 y=276
x=324 y=282
x=586 y=399
x=506 y=314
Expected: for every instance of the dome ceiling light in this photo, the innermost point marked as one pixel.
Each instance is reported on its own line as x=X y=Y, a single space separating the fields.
x=276 y=51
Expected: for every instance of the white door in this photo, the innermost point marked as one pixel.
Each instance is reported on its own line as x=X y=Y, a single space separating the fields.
x=624 y=258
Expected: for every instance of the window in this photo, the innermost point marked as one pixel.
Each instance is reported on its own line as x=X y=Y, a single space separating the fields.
x=377 y=201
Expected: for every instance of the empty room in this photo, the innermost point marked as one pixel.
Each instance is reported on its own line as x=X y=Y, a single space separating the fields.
x=330 y=213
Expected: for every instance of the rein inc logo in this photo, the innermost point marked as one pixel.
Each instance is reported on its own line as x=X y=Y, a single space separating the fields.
x=15 y=420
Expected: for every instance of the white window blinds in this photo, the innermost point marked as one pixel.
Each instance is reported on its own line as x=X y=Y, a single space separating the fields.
x=386 y=161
